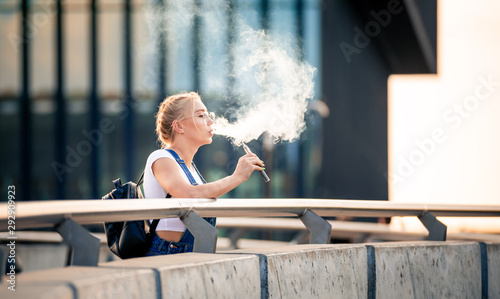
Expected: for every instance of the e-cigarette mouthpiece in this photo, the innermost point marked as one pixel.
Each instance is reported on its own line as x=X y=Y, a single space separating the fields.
x=262 y=172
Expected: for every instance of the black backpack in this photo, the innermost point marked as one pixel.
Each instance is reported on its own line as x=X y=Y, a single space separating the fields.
x=130 y=238
x=133 y=238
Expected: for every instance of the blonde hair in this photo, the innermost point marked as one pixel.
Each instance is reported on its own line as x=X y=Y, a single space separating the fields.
x=170 y=110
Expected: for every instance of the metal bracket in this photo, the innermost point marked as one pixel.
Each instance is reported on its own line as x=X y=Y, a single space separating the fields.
x=205 y=235
x=321 y=230
x=84 y=247
x=235 y=235
x=437 y=230
x=300 y=237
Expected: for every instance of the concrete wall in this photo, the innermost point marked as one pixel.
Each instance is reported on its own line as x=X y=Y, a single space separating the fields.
x=382 y=270
x=376 y=270
x=55 y=255
x=199 y=275
x=491 y=269
x=83 y=282
x=425 y=270
x=319 y=271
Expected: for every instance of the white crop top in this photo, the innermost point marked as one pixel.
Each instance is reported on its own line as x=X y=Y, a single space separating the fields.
x=153 y=189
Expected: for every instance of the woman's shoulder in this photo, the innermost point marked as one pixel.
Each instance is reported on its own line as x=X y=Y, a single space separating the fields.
x=160 y=153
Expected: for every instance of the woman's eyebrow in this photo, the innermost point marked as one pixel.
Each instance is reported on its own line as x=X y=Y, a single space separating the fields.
x=202 y=110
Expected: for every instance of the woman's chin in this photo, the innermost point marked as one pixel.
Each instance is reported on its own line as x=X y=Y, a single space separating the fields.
x=208 y=141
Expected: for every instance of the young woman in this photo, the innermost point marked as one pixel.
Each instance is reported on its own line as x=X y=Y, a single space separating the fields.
x=183 y=124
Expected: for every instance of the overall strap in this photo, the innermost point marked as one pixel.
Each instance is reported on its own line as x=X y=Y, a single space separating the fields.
x=199 y=174
x=211 y=220
x=184 y=167
x=141 y=179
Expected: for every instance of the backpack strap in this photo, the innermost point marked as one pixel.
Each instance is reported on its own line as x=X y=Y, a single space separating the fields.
x=152 y=227
x=141 y=179
x=154 y=224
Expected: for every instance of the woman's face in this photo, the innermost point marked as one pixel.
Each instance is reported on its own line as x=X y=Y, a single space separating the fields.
x=197 y=125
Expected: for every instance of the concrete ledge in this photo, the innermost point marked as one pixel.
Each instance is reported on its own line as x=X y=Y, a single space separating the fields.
x=39 y=291
x=83 y=282
x=426 y=269
x=420 y=269
x=319 y=271
x=33 y=257
x=199 y=275
x=42 y=256
x=224 y=244
x=493 y=270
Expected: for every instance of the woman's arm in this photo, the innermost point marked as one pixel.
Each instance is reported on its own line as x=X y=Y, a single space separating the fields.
x=167 y=173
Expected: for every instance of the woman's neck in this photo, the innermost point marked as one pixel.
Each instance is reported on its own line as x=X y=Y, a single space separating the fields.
x=184 y=151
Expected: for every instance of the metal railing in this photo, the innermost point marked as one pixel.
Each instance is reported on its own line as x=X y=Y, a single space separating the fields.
x=68 y=216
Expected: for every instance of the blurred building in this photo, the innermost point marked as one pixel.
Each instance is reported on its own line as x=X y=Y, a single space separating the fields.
x=80 y=82
x=363 y=43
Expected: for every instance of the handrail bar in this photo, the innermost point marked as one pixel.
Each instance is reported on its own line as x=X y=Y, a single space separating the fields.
x=48 y=213
x=67 y=216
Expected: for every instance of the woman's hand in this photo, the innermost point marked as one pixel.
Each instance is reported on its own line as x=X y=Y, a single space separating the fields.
x=168 y=175
x=246 y=165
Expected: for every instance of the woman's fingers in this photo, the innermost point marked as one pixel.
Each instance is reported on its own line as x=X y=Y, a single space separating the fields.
x=249 y=163
x=253 y=159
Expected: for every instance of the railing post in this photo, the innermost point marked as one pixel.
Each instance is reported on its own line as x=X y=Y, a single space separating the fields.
x=94 y=103
x=205 y=235
x=26 y=126
x=321 y=230
x=60 y=101
x=129 y=142
x=437 y=230
x=84 y=246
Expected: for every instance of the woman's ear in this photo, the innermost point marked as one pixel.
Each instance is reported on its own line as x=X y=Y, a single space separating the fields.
x=177 y=127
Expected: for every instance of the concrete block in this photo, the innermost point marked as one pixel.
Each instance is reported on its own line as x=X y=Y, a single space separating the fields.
x=200 y=275
x=105 y=255
x=493 y=264
x=39 y=291
x=89 y=282
x=314 y=271
x=427 y=269
x=42 y=256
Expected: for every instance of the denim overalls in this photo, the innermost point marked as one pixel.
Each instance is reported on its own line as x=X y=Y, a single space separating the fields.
x=160 y=246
